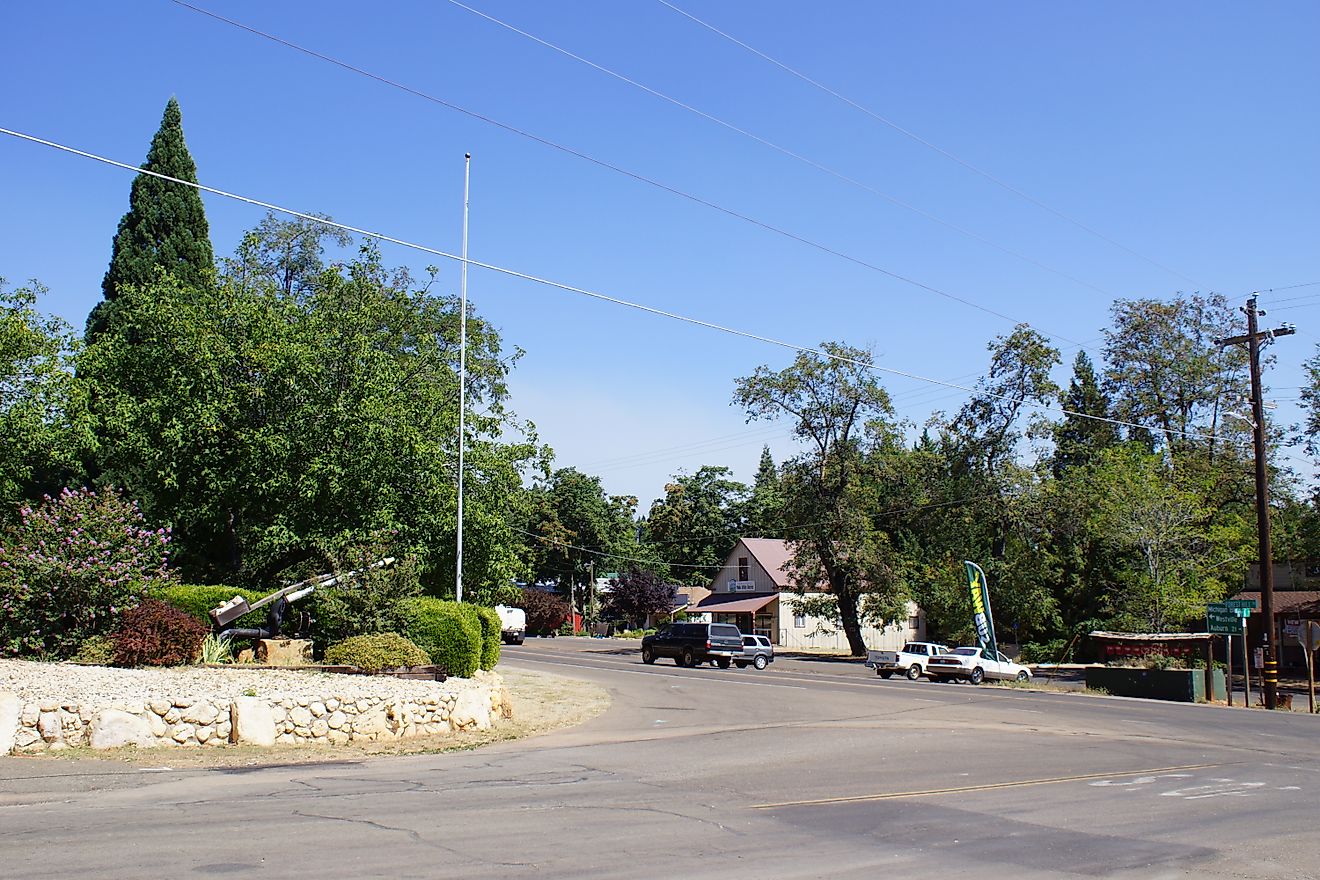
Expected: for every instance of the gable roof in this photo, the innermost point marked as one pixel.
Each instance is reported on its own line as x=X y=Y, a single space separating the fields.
x=773 y=555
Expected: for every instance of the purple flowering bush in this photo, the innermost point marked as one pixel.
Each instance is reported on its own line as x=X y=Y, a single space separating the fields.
x=70 y=567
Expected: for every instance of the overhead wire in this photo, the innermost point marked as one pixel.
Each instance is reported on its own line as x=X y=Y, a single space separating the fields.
x=923 y=141
x=609 y=166
x=596 y=295
x=779 y=148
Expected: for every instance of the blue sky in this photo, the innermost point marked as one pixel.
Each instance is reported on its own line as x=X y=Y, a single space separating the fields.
x=1187 y=132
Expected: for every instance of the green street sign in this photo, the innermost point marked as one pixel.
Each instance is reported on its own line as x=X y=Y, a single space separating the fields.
x=1248 y=604
x=1222 y=620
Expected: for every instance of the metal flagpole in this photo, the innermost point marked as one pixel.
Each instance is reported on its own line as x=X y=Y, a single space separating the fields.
x=462 y=374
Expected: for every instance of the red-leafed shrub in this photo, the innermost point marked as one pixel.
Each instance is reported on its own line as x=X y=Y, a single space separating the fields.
x=155 y=634
x=546 y=612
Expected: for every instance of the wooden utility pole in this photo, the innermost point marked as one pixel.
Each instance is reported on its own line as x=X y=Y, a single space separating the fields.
x=1253 y=337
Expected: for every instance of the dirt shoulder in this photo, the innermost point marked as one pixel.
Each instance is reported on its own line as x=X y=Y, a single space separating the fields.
x=541 y=703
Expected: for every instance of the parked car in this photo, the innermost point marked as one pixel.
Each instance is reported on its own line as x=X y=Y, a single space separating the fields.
x=757 y=651
x=911 y=661
x=974 y=665
x=693 y=643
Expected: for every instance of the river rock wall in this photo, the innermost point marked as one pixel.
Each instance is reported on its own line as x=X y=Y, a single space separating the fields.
x=199 y=721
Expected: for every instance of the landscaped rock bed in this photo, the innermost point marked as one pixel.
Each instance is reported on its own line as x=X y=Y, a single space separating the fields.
x=56 y=705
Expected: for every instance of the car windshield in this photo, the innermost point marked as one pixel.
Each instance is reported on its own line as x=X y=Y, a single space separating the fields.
x=966 y=652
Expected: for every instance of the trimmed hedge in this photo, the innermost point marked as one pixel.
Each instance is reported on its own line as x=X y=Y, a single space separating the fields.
x=197 y=600
x=491 y=627
x=373 y=653
x=449 y=632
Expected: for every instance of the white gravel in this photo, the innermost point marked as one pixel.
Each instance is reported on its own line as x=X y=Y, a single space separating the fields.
x=67 y=684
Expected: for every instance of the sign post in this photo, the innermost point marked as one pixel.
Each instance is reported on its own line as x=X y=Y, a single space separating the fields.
x=1222 y=619
x=1310 y=639
x=1243 y=608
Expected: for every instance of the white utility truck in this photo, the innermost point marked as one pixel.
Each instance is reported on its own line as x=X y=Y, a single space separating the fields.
x=513 y=624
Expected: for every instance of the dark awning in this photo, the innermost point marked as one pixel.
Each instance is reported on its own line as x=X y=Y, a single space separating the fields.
x=735 y=606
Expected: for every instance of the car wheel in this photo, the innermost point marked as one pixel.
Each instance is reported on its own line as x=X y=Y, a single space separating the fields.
x=1023 y=676
x=760 y=662
x=724 y=663
x=687 y=659
x=884 y=673
x=914 y=672
x=648 y=655
x=977 y=676
x=740 y=664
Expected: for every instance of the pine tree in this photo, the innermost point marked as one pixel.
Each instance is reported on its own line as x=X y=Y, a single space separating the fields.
x=165 y=227
x=1078 y=439
x=765 y=507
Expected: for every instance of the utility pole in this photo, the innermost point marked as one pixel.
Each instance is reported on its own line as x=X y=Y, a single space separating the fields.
x=462 y=379
x=1253 y=337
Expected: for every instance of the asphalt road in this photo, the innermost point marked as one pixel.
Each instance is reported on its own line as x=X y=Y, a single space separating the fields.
x=810 y=768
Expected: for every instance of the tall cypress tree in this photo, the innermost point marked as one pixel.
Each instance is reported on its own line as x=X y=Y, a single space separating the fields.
x=165 y=225
x=1078 y=439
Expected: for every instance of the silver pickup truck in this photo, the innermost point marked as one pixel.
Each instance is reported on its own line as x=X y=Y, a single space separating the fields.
x=911 y=661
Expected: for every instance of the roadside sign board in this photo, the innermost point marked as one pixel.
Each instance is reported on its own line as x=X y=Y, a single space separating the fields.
x=1310 y=636
x=1292 y=628
x=1222 y=620
x=1249 y=604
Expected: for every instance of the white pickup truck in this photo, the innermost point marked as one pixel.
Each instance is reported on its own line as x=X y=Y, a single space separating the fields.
x=911 y=661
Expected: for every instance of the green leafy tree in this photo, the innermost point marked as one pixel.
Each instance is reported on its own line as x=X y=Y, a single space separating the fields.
x=43 y=413
x=165 y=229
x=1165 y=370
x=834 y=402
x=1176 y=550
x=269 y=424
x=578 y=528
x=697 y=523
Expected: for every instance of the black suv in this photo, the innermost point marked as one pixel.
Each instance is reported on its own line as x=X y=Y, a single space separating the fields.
x=693 y=643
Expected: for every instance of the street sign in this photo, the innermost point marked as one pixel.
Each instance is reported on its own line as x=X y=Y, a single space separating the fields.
x=1249 y=604
x=1221 y=620
x=1309 y=635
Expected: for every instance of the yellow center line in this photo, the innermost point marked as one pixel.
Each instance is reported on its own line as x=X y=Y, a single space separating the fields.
x=985 y=787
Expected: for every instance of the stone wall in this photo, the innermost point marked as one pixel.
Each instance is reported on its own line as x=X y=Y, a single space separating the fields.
x=28 y=727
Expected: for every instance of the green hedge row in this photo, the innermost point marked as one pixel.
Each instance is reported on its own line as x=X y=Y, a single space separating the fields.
x=461 y=637
x=490 y=636
x=197 y=600
x=449 y=632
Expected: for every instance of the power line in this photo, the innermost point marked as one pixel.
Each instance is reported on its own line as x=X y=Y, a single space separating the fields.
x=779 y=148
x=919 y=139
x=602 y=297
x=601 y=163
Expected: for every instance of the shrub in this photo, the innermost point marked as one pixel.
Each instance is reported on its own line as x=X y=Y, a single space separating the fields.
x=97 y=650
x=197 y=600
x=154 y=634
x=491 y=627
x=70 y=566
x=375 y=652
x=450 y=635
x=1044 y=652
x=546 y=612
x=372 y=601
